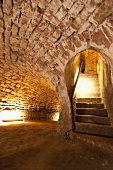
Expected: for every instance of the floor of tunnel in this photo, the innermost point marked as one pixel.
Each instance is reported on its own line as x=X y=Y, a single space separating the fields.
x=35 y=146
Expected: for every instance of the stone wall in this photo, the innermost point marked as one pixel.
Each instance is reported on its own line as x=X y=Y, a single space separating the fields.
x=106 y=87
x=26 y=91
x=39 y=37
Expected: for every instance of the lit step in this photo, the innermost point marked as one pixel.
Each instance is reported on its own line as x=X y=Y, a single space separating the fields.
x=95 y=89
x=88 y=95
x=89 y=100
x=89 y=75
x=88 y=79
x=86 y=84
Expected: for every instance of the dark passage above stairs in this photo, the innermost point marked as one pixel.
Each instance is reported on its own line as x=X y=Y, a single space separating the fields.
x=91 y=116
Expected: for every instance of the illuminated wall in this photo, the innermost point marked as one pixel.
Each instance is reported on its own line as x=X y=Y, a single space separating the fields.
x=91 y=61
x=27 y=91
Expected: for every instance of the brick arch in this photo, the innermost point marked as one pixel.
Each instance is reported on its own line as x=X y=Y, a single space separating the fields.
x=105 y=78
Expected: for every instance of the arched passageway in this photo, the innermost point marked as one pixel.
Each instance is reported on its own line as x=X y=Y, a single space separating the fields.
x=86 y=85
x=90 y=61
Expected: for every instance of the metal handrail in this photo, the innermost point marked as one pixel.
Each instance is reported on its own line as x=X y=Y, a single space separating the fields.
x=71 y=99
x=71 y=102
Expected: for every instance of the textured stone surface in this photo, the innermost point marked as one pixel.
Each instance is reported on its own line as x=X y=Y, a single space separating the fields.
x=38 y=38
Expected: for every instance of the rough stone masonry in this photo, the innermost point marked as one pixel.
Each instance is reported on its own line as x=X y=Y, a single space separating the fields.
x=38 y=38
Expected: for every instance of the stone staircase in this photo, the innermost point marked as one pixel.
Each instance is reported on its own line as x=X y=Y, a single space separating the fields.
x=91 y=116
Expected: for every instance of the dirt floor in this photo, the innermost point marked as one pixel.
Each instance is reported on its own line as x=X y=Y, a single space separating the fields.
x=35 y=146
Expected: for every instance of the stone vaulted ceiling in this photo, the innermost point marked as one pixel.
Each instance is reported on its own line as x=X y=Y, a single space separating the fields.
x=39 y=37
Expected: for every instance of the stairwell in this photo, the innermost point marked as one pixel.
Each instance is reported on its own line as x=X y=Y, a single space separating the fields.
x=91 y=116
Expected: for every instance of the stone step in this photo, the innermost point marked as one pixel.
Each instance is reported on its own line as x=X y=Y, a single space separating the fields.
x=85 y=85
x=90 y=105
x=90 y=80
x=86 y=91
x=88 y=95
x=91 y=111
x=93 y=119
x=94 y=129
x=89 y=100
x=94 y=83
x=92 y=142
x=95 y=90
x=88 y=75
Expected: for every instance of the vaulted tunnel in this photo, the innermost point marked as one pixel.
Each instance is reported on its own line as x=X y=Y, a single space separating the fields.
x=29 y=92
x=37 y=40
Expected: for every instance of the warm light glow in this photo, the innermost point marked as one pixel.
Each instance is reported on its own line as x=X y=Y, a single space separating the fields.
x=56 y=117
x=85 y=87
x=11 y=123
x=76 y=74
x=10 y=115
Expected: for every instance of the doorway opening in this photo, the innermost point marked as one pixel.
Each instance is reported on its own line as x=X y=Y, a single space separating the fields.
x=89 y=62
x=87 y=82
